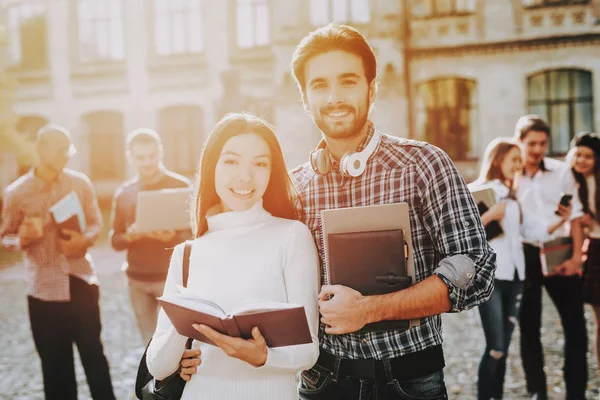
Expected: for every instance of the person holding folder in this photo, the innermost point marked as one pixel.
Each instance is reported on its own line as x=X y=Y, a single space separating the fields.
x=63 y=291
x=500 y=167
x=584 y=160
x=148 y=254
x=357 y=165
x=248 y=247
x=543 y=183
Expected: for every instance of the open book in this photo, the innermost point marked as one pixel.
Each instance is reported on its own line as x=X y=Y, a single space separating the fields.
x=281 y=324
x=67 y=213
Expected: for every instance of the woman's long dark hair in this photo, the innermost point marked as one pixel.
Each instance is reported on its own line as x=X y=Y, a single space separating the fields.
x=280 y=198
x=583 y=190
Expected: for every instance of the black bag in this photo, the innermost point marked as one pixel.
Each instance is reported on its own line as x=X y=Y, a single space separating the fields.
x=170 y=388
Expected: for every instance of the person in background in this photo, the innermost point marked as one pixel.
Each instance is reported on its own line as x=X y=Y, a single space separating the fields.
x=63 y=290
x=248 y=247
x=501 y=165
x=584 y=159
x=148 y=254
x=541 y=186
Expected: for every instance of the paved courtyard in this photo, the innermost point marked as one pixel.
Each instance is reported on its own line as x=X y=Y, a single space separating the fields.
x=20 y=373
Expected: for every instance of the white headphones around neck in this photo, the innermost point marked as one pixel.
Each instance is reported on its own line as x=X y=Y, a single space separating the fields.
x=352 y=163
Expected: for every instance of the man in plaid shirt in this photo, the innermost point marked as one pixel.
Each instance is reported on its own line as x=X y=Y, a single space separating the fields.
x=335 y=70
x=63 y=293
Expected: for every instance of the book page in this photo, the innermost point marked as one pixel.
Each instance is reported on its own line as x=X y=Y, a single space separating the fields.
x=67 y=207
x=261 y=306
x=192 y=301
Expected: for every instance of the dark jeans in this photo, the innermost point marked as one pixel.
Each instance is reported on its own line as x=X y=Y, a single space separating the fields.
x=319 y=383
x=55 y=326
x=498 y=318
x=565 y=293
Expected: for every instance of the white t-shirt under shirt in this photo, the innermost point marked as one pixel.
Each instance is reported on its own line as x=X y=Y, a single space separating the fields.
x=539 y=196
x=244 y=257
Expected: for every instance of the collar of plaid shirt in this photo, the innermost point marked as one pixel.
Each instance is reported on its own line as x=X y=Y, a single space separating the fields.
x=444 y=223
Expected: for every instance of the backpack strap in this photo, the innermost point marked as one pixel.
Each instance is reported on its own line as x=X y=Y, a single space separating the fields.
x=187 y=252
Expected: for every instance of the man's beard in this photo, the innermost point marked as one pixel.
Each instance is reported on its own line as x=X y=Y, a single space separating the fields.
x=337 y=130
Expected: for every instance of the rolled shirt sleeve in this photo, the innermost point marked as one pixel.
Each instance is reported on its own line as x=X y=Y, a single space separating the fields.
x=467 y=262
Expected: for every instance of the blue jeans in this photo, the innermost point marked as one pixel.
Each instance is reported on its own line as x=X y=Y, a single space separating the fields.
x=499 y=315
x=318 y=383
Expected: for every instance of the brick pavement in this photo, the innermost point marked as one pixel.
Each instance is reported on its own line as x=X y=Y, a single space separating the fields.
x=20 y=373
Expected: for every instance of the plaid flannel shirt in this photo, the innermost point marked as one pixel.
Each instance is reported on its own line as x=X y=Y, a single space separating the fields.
x=447 y=234
x=48 y=269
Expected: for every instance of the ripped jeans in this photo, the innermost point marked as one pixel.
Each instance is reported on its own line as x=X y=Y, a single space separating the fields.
x=499 y=318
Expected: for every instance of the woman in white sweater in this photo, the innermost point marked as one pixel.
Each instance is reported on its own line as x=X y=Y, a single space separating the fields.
x=501 y=166
x=248 y=248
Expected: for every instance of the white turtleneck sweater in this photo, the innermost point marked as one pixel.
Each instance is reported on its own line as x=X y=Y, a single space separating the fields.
x=244 y=257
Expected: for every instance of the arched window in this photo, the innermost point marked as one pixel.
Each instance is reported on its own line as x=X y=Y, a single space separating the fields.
x=106 y=141
x=565 y=99
x=447 y=116
x=182 y=131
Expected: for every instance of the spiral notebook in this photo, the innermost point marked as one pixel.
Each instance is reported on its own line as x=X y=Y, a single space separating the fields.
x=369 y=249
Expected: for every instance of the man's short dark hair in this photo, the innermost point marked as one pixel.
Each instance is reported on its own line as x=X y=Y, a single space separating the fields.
x=143 y=136
x=528 y=123
x=328 y=38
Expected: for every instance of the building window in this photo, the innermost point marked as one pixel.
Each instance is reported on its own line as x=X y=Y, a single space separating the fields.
x=253 y=25
x=550 y=3
x=178 y=27
x=26 y=24
x=100 y=30
x=563 y=98
x=323 y=12
x=447 y=116
x=106 y=148
x=441 y=8
x=182 y=131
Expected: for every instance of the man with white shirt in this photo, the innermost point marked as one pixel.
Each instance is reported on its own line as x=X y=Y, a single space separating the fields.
x=540 y=188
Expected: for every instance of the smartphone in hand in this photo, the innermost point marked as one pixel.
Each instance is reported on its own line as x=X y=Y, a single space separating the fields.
x=565 y=198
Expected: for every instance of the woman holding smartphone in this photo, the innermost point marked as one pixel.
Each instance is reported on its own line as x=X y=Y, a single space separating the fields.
x=248 y=247
x=584 y=159
x=501 y=165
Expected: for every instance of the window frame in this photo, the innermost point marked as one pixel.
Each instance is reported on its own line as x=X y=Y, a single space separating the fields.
x=347 y=21
x=16 y=40
x=553 y=3
x=434 y=13
x=235 y=31
x=550 y=102
x=108 y=20
x=199 y=6
x=117 y=140
x=473 y=117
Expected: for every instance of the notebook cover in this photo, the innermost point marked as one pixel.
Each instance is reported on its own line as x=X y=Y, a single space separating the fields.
x=356 y=259
x=372 y=263
x=493 y=229
x=555 y=252
x=379 y=217
x=285 y=327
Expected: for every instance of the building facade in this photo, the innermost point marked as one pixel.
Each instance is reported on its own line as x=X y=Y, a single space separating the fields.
x=456 y=73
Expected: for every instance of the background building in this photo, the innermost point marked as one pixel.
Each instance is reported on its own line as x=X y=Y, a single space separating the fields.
x=456 y=73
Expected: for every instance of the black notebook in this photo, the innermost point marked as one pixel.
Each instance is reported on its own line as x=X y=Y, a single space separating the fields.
x=493 y=229
x=372 y=263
